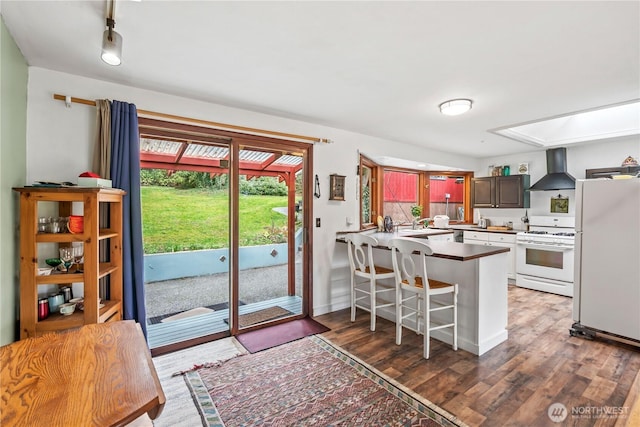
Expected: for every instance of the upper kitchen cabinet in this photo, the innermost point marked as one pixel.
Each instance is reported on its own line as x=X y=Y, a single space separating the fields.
x=500 y=191
x=483 y=192
x=609 y=172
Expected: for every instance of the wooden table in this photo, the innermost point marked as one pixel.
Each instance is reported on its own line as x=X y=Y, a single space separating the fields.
x=98 y=375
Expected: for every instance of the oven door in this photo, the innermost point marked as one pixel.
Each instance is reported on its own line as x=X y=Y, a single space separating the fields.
x=545 y=260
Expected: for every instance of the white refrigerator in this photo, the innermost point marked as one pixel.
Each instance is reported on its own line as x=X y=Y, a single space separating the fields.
x=607 y=258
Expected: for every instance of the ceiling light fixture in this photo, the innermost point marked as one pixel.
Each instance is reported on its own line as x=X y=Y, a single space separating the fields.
x=453 y=107
x=111 y=41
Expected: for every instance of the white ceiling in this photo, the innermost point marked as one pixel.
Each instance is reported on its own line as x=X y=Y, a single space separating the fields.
x=377 y=68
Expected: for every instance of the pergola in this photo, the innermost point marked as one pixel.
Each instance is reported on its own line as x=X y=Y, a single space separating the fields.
x=196 y=156
x=175 y=146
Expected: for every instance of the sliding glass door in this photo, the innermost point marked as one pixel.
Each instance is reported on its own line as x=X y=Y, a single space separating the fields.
x=186 y=242
x=231 y=212
x=270 y=243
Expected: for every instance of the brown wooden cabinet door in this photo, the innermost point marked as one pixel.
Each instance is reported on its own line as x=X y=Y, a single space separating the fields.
x=483 y=191
x=509 y=192
x=501 y=192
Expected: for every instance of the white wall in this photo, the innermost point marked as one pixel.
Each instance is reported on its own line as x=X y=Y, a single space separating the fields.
x=60 y=140
x=59 y=147
x=599 y=154
x=13 y=115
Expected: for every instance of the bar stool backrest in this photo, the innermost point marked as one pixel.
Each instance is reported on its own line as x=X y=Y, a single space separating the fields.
x=404 y=263
x=360 y=248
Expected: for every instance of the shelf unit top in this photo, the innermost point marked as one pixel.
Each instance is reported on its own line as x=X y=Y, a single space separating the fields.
x=74 y=189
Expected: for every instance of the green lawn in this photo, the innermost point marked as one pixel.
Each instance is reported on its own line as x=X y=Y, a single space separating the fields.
x=182 y=220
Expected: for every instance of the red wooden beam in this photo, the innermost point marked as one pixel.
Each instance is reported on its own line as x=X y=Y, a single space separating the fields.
x=202 y=168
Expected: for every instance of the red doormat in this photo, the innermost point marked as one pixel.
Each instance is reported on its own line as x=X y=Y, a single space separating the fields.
x=273 y=336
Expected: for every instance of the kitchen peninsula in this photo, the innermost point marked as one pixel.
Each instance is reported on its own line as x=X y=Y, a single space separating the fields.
x=481 y=274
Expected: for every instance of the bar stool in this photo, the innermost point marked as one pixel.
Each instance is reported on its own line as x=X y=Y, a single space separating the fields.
x=410 y=265
x=360 y=249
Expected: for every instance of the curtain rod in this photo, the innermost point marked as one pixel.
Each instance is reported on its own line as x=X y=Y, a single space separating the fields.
x=198 y=121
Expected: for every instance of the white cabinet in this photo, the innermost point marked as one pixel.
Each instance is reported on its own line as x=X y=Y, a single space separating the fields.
x=442 y=237
x=499 y=238
x=481 y=236
x=495 y=239
x=506 y=241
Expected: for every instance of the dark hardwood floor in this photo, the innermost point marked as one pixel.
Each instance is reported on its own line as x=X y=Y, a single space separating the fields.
x=514 y=383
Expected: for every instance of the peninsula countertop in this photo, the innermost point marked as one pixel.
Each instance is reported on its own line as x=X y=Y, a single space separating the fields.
x=449 y=250
x=473 y=227
x=481 y=274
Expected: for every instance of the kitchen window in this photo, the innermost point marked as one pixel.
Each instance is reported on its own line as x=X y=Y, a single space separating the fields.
x=368 y=192
x=393 y=191
x=401 y=190
x=448 y=195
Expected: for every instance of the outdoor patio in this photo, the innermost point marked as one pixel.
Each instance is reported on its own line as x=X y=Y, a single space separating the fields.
x=260 y=288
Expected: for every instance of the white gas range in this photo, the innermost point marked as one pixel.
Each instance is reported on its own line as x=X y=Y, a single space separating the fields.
x=545 y=255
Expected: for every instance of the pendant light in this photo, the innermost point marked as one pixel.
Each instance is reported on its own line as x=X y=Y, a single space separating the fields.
x=111 y=41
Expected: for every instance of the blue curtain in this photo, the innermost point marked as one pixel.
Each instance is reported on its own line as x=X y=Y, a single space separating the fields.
x=125 y=173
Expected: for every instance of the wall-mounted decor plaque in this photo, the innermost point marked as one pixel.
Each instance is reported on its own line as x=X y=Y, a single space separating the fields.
x=336 y=187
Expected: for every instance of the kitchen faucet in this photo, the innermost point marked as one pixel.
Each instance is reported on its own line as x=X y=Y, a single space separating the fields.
x=415 y=222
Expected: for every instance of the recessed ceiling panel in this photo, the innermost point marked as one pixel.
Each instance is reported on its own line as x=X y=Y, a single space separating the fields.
x=602 y=123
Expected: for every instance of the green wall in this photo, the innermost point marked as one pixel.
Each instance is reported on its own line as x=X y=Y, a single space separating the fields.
x=13 y=171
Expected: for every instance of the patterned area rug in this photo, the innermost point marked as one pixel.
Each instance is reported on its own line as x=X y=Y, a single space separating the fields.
x=180 y=409
x=308 y=382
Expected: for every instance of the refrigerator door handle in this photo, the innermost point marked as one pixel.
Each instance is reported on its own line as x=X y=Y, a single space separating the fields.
x=577 y=276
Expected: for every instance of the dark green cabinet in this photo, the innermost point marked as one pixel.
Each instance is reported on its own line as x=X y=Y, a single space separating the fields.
x=500 y=191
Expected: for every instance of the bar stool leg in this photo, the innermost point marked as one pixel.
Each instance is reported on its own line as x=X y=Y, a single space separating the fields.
x=372 y=290
x=353 y=297
x=398 y=315
x=455 y=317
x=426 y=334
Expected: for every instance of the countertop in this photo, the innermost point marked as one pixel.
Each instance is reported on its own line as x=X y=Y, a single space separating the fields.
x=449 y=250
x=471 y=227
x=449 y=229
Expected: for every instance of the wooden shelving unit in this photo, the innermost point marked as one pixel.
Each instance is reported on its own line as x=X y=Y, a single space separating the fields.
x=93 y=270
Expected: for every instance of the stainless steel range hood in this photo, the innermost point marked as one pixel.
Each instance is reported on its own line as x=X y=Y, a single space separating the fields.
x=557 y=177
